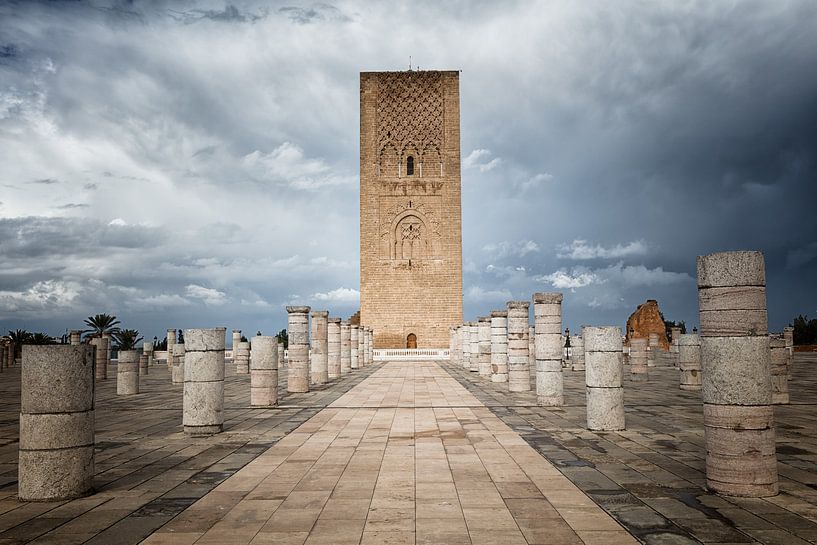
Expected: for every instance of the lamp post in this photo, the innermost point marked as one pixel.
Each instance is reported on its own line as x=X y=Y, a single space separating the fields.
x=567 y=344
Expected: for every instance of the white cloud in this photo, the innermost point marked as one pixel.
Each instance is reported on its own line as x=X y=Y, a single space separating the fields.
x=580 y=250
x=479 y=159
x=340 y=295
x=577 y=279
x=288 y=165
x=505 y=248
x=118 y=222
x=41 y=296
x=478 y=294
x=210 y=296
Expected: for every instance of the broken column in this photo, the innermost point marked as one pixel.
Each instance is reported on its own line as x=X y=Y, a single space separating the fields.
x=177 y=370
x=333 y=348
x=465 y=346
x=779 y=360
x=147 y=349
x=100 y=357
x=171 y=340
x=736 y=381
x=361 y=346
x=264 y=372
x=75 y=337
x=653 y=346
x=689 y=361
x=788 y=336
x=241 y=357
x=318 y=365
x=56 y=451
x=127 y=373
x=298 y=331
x=547 y=320
x=605 y=395
x=473 y=346
x=452 y=345
x=675 y=332
x=235 y=340
x=354 y=340
x=518 y=350
x=499 y=346
x=577 y=352
x=345 y=347
x=204 y=381
x=369 y=345
x=532 y=352
x=484 y=346
x=639 y=369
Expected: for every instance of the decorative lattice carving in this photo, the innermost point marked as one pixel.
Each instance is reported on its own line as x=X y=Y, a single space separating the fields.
x=410 y=114
x=409 y=230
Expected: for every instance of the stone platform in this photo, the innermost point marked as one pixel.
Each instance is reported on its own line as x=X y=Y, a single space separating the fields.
x=412 y=453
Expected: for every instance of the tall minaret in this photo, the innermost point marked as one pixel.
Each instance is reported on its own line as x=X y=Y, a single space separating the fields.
x=410 y=207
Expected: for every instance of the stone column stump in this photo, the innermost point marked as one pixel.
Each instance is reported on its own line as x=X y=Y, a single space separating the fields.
x=264 y=372
x=177 y=370
x=518 y=348
x=484 y=346
x=171 y=340
x=354 y=341
x=577 y=353
x=605 y=395
x=547 y=319
x=689 y=361
x=788 y=336
x=241 y=357
x=473 y=346
x=639 y=368
x=361 y=346
x=56 y=452
x=298 y=331
x=127 y=373
x=100 y=357
x=204 y=381
x=736 y=382
x=319 y=358
x=653 y=346
x=75 y=337
x=778 y=357
x=333 y=348
x=345 y=347
x=499 y=346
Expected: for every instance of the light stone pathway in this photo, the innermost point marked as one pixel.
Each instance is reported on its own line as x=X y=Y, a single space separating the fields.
x=406 y=456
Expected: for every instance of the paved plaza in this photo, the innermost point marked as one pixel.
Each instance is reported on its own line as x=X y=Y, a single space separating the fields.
x=406 y=452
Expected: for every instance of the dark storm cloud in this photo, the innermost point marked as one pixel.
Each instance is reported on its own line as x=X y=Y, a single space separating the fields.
x=604 y=146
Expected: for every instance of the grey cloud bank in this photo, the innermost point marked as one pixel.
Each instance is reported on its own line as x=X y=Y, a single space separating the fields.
x=190 y=165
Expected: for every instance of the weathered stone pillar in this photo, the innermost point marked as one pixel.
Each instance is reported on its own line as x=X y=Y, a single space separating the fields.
x=281 y=355
x=452 y=345
x=354 y=341
x=548 y=347
x=56 y=456
x=484 y=346
x=319 y=358
x=577 y=352
x=235 y=340
x=361 y=346
x=737 y=386
x=675 y=332
x=345 y=347
x=518 y=350
x=779 y=368
x=147 y=349
x=369 y=346
x=532 y=352
x=204 y=381
x=100 y=357
x=127 y=373
x=109 y=338
x=298 y=331
x=241 y=357
x=499 y=346
x=653 y=346
x=171 y=340
x=689 y=361
x=605 y=395
x=333 y=348
x=264 y=372
x=639 y=368
x=473 y=346
x=465 y=346
x=143 y=364
x=75 y=337
x=788 y=336
x=177 y=370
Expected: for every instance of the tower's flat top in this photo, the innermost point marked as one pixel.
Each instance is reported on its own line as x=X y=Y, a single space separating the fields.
x=407 y=72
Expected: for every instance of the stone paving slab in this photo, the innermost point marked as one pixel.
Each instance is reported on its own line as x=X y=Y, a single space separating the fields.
x=406 y=456
x=650 y=477
x=147 y=470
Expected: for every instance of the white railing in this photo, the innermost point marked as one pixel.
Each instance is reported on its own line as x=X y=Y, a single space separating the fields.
x=403 y=354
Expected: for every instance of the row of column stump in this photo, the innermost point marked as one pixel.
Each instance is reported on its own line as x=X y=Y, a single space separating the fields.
x=56 y=453
x=740 y=370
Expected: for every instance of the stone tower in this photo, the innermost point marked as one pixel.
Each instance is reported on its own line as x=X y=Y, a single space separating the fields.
x=410 y=210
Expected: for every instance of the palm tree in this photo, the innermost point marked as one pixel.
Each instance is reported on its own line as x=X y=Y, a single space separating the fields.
x=19 y=337
x=101 y=323
x=126 y=339
x=41 y=338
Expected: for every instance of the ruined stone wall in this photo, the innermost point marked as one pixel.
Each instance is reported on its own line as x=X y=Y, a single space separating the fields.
x=410 y=209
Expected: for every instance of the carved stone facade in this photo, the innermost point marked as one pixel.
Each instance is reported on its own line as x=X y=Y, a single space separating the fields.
x=410 y=210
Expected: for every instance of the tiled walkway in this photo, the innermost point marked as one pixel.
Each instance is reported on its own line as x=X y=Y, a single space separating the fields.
x=406 y=456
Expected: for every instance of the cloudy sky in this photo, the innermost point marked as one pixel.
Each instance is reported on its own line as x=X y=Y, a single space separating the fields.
x=196 y=164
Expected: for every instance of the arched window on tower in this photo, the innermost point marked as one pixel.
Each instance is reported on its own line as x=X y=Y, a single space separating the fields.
x=410 y=166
